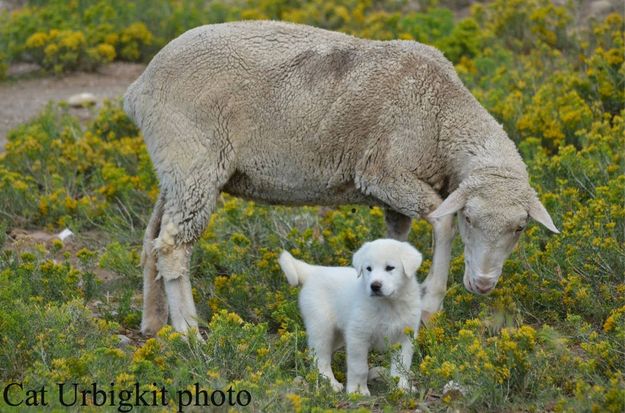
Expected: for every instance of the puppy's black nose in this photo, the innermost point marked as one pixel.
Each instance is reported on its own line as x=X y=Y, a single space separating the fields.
x=376 y=286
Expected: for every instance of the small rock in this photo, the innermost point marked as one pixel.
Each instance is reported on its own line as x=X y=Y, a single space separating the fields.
x=376 y=373
x=124 y=340
x=454 y=390
x=601 y=8
x=65 y=234
x=299 y=381
x=82 y=100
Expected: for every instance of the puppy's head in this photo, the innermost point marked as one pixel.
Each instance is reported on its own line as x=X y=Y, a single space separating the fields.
x=386 y=265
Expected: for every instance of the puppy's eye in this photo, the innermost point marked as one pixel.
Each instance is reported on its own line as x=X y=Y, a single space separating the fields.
x=519 y=229
x=389 y=268
x=369 y=269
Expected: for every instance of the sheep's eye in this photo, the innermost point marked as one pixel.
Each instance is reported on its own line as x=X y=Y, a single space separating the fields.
x=389 y=268
x=519 y=229
x=369 y=269
x=466 y=218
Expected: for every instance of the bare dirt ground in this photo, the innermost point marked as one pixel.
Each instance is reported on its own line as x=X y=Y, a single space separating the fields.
x=21 y=99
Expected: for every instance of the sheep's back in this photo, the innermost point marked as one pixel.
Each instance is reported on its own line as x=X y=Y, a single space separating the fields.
x=290 y=97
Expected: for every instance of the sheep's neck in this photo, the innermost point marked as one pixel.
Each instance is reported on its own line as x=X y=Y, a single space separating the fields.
x=478 y=143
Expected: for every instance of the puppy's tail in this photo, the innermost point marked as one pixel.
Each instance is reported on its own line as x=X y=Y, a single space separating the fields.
x=296 y=271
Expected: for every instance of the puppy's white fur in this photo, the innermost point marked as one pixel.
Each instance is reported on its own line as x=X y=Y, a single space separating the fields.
x=368 y=306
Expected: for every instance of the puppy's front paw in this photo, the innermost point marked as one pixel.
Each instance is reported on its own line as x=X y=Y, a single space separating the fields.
x=336 y=386
x=361 y=389
x=405 y=385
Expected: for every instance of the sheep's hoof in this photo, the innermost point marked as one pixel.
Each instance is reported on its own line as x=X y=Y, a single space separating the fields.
x=426 y=317
x=152 y=326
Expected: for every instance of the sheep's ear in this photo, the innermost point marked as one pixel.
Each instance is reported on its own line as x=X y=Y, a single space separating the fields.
x=454 y=202
x=359 y=257
x=410 y=259
x=540 y=214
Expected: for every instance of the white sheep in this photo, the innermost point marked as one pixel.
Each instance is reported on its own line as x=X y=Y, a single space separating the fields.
x=291 y=114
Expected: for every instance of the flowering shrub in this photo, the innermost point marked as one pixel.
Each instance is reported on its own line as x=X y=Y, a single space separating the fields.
x=61 y=50
x=550 y=337
x=64 y=35
x=54 y=173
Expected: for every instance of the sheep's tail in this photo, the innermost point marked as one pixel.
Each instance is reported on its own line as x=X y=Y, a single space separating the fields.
x=296 y=271
x=132 y=102
x=129 y=102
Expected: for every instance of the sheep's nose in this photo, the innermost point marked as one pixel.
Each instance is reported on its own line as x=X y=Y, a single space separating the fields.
x=485 y=284
x=376 y=286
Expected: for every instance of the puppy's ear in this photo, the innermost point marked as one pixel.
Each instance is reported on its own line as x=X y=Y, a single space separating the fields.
x=359 y=257
x=411 y=259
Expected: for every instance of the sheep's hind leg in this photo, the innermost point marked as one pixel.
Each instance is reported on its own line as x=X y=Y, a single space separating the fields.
x=397 y=225
x=191 y=190
x=174 y=265
x=155 y=311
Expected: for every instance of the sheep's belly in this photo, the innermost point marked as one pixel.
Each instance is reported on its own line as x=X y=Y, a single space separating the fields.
x=292 y=191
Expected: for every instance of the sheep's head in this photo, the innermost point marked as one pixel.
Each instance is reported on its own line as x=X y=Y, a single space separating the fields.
x=493 y=211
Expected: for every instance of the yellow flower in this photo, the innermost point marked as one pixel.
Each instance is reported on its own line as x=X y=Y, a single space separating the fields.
x=111 y=39
x=124 y=378
x=51 y=50
x=70 y=203
x=106 y=51
x=36 y=40
x=502 y=374
x=73 y=40
x=610 y=322
x=296 y=401
x=235 y=318
x=221 y=281
x=43 y=206
x=447 y=369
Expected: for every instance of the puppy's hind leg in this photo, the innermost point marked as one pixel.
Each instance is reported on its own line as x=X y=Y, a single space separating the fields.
x=321 y=341
x=400 y=365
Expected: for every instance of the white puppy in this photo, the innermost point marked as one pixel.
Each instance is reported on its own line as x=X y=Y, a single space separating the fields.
x=368 y=306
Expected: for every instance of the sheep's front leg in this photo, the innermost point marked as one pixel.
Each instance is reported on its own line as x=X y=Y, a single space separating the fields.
x=408 y=196
x=435 y=284
x=405 y=195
